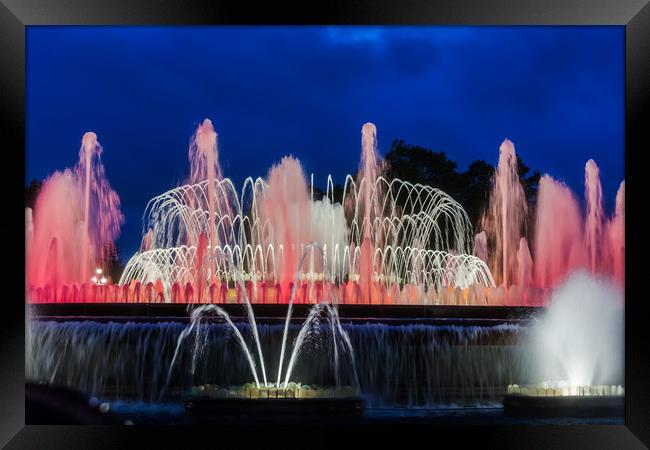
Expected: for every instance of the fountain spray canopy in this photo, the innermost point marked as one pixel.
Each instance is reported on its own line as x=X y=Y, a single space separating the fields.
x=284 y=217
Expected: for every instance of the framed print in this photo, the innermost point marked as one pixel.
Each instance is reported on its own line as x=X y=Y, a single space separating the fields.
x=372 y=219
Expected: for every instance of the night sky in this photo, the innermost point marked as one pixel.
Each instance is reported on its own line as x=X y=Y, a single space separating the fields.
x=556 y=92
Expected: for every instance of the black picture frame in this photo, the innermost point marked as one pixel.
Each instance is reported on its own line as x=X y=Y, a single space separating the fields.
x=15 y=15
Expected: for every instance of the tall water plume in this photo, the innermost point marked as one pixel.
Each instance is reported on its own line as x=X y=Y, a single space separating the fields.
x=204 y=166
x=75 y=215
x=505 y=218
x=369 y=171
x=204 y=154
x=595 y=216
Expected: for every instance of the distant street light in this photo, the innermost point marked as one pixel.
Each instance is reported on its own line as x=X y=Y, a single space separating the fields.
x=99 y=281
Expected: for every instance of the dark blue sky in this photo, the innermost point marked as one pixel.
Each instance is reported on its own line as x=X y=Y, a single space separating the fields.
x=556 y=92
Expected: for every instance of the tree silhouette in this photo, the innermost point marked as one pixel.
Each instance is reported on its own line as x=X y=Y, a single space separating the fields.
x=476 y=182
x=529 y=182
x=337 y=191
x=31 y=193
x=111 y=261
x=471 y=188
x=420 y=165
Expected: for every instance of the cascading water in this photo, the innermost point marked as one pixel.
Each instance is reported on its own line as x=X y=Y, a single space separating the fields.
x=397 y=365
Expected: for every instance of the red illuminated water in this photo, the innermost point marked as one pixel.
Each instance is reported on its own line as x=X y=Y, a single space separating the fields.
x=286 y=207
x=504 y=219
x=369 y=170
x=77 y=215
x=565 y=238
x=559 y=245
x=616 y=237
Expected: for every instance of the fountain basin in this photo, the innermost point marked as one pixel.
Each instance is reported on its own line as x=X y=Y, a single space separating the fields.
x=566 y=401
x=251 y=391
x=272 y=402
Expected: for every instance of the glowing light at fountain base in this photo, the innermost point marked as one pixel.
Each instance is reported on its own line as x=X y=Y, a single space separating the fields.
x=564 y=389
x=294 y=390
x=569 y=401
x=311 y=290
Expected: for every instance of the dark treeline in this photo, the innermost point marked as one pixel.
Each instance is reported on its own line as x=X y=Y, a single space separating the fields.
x=470 y=188
x=31 y=192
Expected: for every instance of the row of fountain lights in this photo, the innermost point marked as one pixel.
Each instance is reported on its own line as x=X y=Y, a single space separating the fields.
x=101 y=280
x=566 y=391
x=272 y=391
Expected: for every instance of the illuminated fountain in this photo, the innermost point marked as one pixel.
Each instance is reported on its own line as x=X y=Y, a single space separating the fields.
x=504 y=219
x=76 y=218
x=579 y=339
x=262 y=387
x=207 y=243
x=377 y=250
x=385 y=241
x=564 y=240
x=576 y=349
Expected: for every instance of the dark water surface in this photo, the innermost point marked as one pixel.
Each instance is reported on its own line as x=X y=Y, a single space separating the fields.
x=139 y=413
